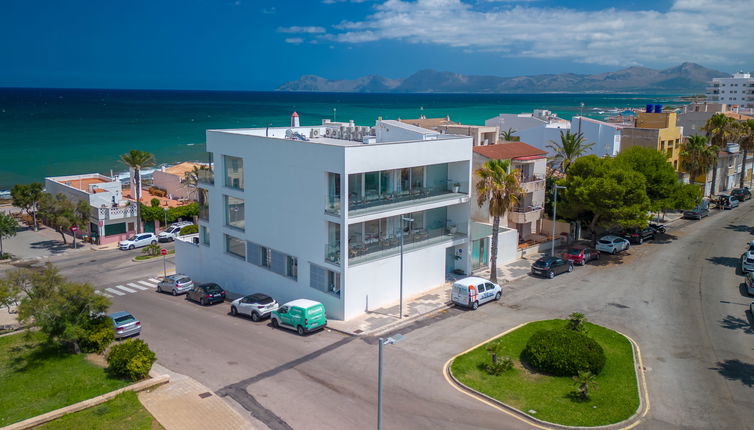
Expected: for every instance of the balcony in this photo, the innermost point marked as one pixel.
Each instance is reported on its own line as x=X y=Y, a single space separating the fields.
x=106 y=214
x=523 y=215
x=332 y=206
x=374 y=202
x=332 y=253
x=533 y=183
x=372 y=249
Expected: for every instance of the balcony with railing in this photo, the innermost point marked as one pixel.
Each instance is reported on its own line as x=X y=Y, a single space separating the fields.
x=114 y=213
x=389 y=245
x=332 y=253
x=525 y=214
x=385 y=201
x=532 y=183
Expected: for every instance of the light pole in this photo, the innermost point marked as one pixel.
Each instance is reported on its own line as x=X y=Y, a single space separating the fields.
x=409 y=220
x=389 y=341
x=165 y=213
x=554 y=214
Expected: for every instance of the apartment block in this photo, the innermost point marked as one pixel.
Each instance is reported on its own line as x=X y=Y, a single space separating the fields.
x=736 y=91
x=656 y=130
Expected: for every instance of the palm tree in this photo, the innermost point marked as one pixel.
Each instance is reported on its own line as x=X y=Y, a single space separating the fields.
x=571 y=147
x=508 y=135
x=718 y=129
x=585 y=381
x=191 y=179
x=746 y=141
x=697 y=156
x=501 y=188
x=137 y=160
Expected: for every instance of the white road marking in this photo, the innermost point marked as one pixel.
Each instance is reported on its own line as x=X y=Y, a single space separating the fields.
x=156 y=281
x=137 y=286
x=148 y=284
x=126 y=289
x=102 y=294
x=114 y=291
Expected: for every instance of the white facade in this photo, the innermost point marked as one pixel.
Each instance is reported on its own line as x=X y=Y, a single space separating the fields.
x=736 y=91
x=315 y=212
x=538 y=129
x=604 y=135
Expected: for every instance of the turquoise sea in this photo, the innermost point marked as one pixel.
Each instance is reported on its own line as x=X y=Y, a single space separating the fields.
x=52 y=132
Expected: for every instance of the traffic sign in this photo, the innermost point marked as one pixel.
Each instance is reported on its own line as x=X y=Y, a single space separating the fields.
x=163 y=251
x=74 y=228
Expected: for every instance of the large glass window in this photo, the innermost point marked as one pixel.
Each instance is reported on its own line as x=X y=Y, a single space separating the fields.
x=205 y=234
x=291 y=267
x=203 y=198
x=354 y=187
x=417 y=177
x=233 y=172
x=235 y=246
x=324 y=280
x=333 y=193
x=235 y=212
x=387 y=183
x=372 y=185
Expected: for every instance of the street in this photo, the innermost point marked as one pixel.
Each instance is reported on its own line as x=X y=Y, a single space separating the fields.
x=680 y=297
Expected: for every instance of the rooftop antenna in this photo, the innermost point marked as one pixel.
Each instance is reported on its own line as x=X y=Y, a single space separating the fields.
x=334 y=115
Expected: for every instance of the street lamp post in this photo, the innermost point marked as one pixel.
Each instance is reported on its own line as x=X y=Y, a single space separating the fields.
x=382 y=342
x=409 y=220
x=554 y=214
x=165 y=213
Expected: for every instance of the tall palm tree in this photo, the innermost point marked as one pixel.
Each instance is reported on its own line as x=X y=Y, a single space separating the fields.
x=500 y=187
x=137 y=160
x=697 y=156
x=718 y=129
x=191 y=180
x=571 y=147
x=746 y=140
x=508 y=135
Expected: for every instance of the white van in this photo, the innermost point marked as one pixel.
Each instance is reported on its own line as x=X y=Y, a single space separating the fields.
x=472 y=292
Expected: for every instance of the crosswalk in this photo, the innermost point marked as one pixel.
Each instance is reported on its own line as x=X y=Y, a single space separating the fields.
x=129 y=288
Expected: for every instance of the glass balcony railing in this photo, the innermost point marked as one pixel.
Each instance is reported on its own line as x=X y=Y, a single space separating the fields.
x=332 y=207
x=390 y=244
x=372 y=198
x=204 y=213
x=332 y=253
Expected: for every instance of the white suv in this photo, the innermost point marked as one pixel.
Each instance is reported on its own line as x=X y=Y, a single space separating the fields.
x=137 y=241
x=171 y=233
x=612 y=244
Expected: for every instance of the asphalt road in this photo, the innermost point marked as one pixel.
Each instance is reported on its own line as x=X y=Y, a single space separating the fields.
x=679 y=297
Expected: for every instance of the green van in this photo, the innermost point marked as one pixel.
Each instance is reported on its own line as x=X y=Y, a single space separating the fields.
x=302 y=315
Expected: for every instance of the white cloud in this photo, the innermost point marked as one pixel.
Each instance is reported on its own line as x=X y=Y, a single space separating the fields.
x=294 y=40
x=299 y=29
x=691 y=30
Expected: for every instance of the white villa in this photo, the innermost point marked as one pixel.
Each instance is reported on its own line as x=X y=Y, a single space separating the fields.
x=319 y=212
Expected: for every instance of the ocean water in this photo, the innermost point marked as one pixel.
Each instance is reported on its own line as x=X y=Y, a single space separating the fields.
x=53 y=132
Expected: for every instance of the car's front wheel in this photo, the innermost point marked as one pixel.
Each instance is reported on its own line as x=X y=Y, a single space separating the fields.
x=641 y=240
x=203 y=302
x=153 y=242
x=475 y=305
x=131 y=247
x=615 y=251
x=497 y=296
x=254 y=316
x=233 y=311
x=550 y=274
x=275 y=323
x=159 y=290
x=174 y=292
x=570 y=267
x=300 y=330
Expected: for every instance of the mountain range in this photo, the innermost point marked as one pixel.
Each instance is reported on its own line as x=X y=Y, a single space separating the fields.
x=685 y=78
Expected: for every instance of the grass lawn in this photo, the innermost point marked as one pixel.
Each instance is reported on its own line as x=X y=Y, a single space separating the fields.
x=124 y=412
x=35 y=378
x=615 y=399
x=147 y=257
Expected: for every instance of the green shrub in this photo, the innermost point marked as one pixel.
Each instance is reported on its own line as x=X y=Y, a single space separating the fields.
x=576 y=322
x=132 y=359
x=498 y=366
x=155 y=202
x=98 y=335
x=563 y=352
x=189 y=229
x=152 y=250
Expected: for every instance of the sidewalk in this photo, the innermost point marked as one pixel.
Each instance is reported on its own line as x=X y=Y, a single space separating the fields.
x=186 y=404
x=383 y=319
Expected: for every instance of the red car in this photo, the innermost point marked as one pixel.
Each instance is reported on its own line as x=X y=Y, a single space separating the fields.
x=581 y=256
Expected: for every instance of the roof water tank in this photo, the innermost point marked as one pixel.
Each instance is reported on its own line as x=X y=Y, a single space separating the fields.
x=648 y=109
x=658 y=108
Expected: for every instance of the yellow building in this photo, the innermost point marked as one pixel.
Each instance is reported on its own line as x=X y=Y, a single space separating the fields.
x=657 y=131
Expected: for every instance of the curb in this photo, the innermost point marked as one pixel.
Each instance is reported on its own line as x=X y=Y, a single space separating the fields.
x=628 y=423
x=85 y=404
x=395 y=324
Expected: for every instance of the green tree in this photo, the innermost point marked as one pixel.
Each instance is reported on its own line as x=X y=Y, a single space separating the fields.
x=8 y=227
x=508 y=135
x=604 y=192
x=659 y=175
x=137 y=160
x=685 y=196
x=26 y=197
x=585 y=382
x=61 y=214
x=191 y=180
x=697 y=156
x=60 y=309
x=576 y=322
x=746 y=140
x=719 y=132
x=571 y=147
x=500 y=188
x=152 y=250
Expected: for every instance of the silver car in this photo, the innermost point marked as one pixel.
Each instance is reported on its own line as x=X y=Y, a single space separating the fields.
x=125 y=325
x=256 y=306
x=175 y=284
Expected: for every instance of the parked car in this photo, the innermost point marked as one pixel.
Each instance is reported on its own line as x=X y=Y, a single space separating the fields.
x=612 y=244
x=171 y=233
x=658 y=228
x=741 y=194
x=638 y=235
x=747 y=259
x=551 y=266
x=175 y=284
x=581 y=255
x=472 y=292
x=725 y=201
x=125 y=324
x=698 y=212
x=137 y=241
x=256 y=306
x=206 y=294
x=302 y=315
x=750 y=283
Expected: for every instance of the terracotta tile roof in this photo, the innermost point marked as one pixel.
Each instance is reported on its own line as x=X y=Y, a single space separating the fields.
x=429 y=123
x=181 y=169
x=509 y=150
x=737 y=116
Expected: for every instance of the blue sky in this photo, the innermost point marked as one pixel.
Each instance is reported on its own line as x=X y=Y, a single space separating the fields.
x=258 y=45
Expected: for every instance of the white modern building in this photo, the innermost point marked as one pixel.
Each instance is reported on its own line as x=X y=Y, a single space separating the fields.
x=604 y=135
x=538 y=129
x=320 y=212
x=735 y=91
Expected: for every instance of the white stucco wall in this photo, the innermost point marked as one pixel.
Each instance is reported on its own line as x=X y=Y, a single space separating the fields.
x=606 y=137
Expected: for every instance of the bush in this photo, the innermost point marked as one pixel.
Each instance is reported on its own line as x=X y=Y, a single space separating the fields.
x=152 y=250
x=98 y=335
x=131 y=359
x=576 y=322
x=155 y=202
x=499 y=366
x=189 y=229
x=563 y=352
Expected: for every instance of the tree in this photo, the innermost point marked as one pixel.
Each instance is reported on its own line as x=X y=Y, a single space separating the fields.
x=61 y=214
x=697 y=156
x=585 y=381
x=501 y=188
x=604 y=192
x=718 y=129
x=8 y=227
x=746 y=140
x=576 y=322
x=60 y=309
x=191 y=180
x=137 y=160
x=685 y=196
x=26 y=197
x=571 y=147
x=659 y=175
x=508 y=135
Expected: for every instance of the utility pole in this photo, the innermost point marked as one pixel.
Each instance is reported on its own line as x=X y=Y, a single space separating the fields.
x=554 y=215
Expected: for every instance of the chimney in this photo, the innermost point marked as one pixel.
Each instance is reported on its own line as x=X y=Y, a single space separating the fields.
x=294 y=120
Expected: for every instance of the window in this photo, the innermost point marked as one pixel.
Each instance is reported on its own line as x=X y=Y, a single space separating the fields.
x=235 y=246
x=291 y=267
x=233 y=172
x=235 y=215
x=324 y=280
x=204 y=234
x=265 y=256
x=333 y=193
x=275 y=261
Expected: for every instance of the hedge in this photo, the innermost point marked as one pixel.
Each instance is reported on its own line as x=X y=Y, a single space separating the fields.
x=563 y=352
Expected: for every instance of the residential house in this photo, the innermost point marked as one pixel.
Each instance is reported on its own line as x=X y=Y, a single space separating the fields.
x=606 y=136
x=656 y=130
x=113 y=216
x=173 y=181
x=480 y=134
x=539 y=129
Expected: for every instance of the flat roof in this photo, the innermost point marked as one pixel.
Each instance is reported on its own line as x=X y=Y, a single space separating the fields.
x=509 y=151
x=81 y=182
